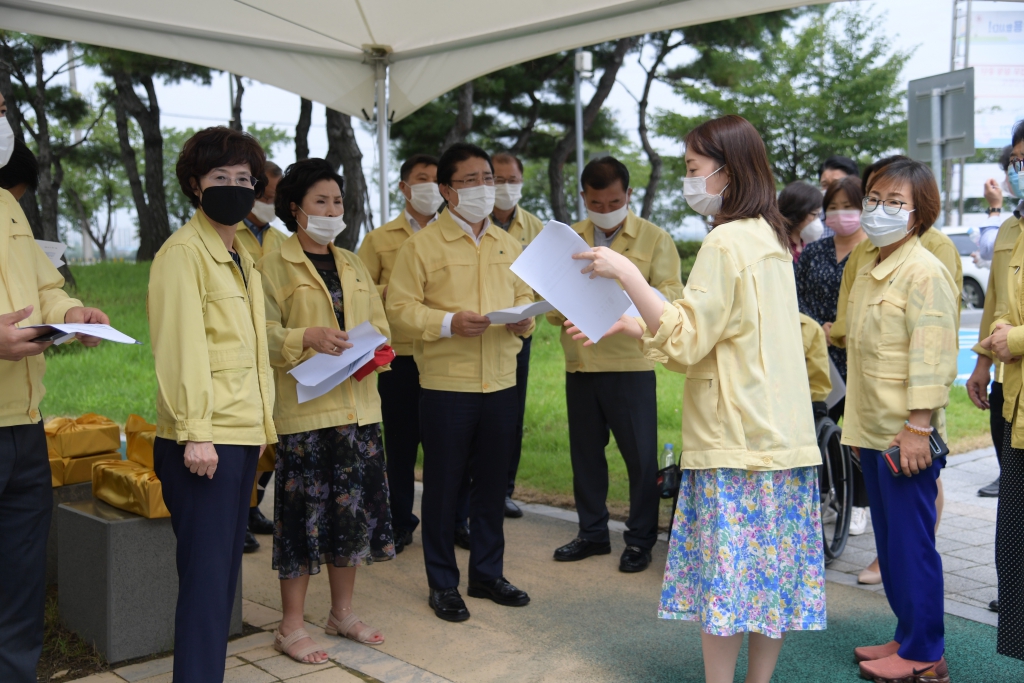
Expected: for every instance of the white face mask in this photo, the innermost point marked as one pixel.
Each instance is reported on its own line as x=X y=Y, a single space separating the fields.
x=475 y=203
x=610 y=220
x=508 y=195
x=812 y=232
x=425 y=198
x=6 y=141
x=264 y=212
x=323 y=229
x=883 y=229
x=695 y=191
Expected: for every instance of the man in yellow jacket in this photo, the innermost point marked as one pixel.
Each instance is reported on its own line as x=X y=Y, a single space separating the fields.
x=447 y=277
x=524 y=226
x=400 y=387
x=30 y=294
x=255 y=233
x=610 y=386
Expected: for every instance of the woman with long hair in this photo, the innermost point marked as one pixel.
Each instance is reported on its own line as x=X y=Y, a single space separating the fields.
x=746 y=551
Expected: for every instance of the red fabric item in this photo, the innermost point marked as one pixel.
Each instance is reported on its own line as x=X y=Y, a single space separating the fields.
x=380 y=358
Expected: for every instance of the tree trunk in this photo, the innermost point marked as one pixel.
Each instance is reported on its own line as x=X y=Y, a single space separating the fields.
x=651 y=191
x=49 y=181
x=565 y=146
x=236 y=106
x=463 y=118
x=302 y=129
x=343 y=151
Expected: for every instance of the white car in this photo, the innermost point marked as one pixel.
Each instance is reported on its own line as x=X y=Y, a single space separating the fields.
x=975 y=278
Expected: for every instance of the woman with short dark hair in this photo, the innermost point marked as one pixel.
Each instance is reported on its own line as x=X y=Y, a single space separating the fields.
x=215 y=398
x=746 y=552
x=901 y=346
x=331 y=500
x=800 y=205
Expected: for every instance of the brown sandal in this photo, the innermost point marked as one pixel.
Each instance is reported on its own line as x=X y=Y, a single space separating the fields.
x=346 y=627
x=285 y=644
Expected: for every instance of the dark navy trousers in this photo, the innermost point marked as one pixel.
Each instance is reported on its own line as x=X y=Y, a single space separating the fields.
x=465 y=432
x=903 y=516
x=400 y=409
x=209 y=518
x=26 y=505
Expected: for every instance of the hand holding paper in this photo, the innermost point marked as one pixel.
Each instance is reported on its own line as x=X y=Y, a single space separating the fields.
x=517 y=314
x=89 y=333
x=627 y=325
x=323 y=372
x=87 y=316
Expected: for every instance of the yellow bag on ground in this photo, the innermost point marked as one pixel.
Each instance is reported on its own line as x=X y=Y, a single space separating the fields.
x=129 y=486
x=56 y=472
x=78 y=470
x=140 y=436
x=266 y=462
x=90 y=434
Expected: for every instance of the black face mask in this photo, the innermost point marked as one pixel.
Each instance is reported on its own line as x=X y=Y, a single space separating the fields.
x=227 y=204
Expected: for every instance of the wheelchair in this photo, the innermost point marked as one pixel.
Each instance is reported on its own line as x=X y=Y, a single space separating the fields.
x=835 y=476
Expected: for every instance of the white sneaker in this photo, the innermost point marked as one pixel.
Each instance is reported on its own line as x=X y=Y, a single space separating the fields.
x=859 y=521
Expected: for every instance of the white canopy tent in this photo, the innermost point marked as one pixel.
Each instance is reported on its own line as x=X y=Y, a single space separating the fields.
x=354 y=54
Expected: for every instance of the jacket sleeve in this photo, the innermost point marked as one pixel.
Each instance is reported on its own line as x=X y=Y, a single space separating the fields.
x=988 y=316
x=54 y=302
x=931 y=320
x=284 y=344
x=691 y=326
x=177 y=330
x=371 y=259
x=838 y=332
x=816 y=357
x=665 y=268
x=406 y=293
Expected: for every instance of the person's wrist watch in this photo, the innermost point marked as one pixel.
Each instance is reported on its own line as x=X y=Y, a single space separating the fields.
x=994 y=209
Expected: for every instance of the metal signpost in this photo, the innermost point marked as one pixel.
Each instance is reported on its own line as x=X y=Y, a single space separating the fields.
x=940 y=119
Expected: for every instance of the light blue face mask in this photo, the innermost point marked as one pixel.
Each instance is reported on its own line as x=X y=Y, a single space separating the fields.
x=1015 y=182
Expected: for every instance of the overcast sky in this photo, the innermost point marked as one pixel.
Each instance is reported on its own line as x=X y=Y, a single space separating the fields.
x=922 y=25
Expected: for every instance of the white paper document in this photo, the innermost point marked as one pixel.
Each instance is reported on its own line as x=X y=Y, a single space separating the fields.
x=93 y=330
x=509 y=316
x=54 y=251
x=633 y=312
x=547 y=266
x=838 y=385
x=323 y=372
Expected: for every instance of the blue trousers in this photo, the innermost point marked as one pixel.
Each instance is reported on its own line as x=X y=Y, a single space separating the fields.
x=26 y=505
x=465 y=432
x=209 y=518
x=903 y=516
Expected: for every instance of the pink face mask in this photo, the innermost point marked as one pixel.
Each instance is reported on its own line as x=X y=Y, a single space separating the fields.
x=843 y=222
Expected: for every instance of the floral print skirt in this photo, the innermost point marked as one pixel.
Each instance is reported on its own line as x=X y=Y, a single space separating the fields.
x=331 y=500
x=746 y=552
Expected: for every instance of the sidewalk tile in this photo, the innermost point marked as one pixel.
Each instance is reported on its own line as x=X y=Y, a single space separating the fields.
x=248 y=673
x=983 y=595
x=285 y=667
x=333 y=675
x=162 y=678
x=946 y=545
x=259 y=653
x=958 y=584
x=106 y=677
x=250 y=642
x=961 y=522
x=972 y=537
x=953 y=564
x=144 y=670
x=983 y=574
x=232 y=662
x=259 y=615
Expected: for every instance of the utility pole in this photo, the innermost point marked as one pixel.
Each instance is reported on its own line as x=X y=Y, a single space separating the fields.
x=584 y=68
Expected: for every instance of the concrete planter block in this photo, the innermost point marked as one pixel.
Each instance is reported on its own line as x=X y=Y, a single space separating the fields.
x=118 y=584
x=72 y=493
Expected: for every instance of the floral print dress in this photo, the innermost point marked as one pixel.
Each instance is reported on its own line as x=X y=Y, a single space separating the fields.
x=331 y=490
x=746 y=552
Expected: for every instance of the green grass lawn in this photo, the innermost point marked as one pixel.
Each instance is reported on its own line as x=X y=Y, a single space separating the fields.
x=116 y=380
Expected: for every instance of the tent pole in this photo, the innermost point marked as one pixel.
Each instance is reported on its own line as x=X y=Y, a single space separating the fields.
x=380 y=77
x=580 y=206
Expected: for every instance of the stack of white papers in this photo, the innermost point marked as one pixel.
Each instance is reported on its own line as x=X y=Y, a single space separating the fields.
x=547 y=266
x=93 y=330
x=323 y=372
x=54 y=251
x=510 y=316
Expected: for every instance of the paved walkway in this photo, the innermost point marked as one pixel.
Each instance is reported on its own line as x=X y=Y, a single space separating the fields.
x=965 y=539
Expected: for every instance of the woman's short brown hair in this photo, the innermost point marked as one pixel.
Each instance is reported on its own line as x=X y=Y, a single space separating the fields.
x=851 y=186
x=734 y=143
x=214 y=147
x=924 y=191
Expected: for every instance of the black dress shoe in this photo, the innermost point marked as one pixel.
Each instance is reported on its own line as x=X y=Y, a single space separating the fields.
x=499 y=591
x=993 y=606
x=402 y=539
x=448 y=604
x=462 y=537
x=258 y=524
x=251 y=544
x=990 y=490
x=580 y=549
x=634 y=559
x=511 y=509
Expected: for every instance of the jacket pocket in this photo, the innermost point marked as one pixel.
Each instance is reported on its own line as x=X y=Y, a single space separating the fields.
x=237 y=400
x=883 y=395
x=702 y=423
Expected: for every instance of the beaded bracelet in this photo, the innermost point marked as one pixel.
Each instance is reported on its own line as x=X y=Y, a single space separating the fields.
x=920 y=431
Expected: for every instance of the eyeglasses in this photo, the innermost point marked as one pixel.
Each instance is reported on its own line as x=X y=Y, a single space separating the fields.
x=1018 y=164
x=890 y=207
x=221 y=179
x=473 y=180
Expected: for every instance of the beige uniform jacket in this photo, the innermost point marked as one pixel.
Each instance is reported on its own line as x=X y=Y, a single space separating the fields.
x=296 y=299
x=933 y=239
x=272 y=239
x=525 y=226
x=379 y=251
x=901 y=346
x=652 y=250
x=735 y=334
x=816 y=358
x=1013 y=373
x=441 y=270
x=208 y=329
x=997 y=292
x=27 y=278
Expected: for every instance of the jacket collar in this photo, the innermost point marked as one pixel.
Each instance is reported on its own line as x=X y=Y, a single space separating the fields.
x=452 y=231
x=292 y=252
x=896 y=259
x=211 y=238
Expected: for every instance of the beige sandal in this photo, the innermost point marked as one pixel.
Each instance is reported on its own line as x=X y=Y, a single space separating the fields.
x=284 y=645
x=345 y=629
